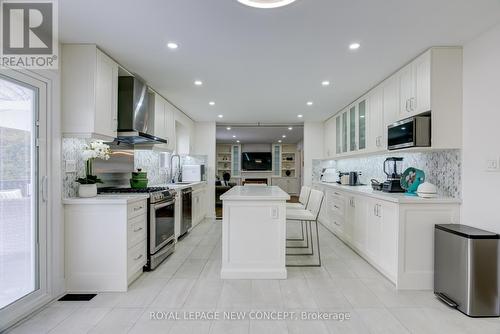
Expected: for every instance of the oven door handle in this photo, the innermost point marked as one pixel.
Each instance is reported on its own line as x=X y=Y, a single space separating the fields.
x=162 y=205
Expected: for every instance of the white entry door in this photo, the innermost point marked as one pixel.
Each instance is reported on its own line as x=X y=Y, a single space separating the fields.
x=23 y=194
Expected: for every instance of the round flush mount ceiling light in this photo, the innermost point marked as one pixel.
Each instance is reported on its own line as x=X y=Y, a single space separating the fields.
x=172 y=45
x=354 y=46
x=266 y=3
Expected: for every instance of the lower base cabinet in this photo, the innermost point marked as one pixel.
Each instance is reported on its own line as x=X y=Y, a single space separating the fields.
x=396 y=238
x=289 y=185
x=199 y=206
x=105 y=244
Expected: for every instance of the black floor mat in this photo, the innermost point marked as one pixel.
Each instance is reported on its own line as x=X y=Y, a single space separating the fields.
x=77 y=297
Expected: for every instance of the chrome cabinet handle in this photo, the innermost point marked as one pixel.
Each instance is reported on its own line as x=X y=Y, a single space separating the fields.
x=138 y=229
x=44 y=188
x=138 y=257
x=138 y=208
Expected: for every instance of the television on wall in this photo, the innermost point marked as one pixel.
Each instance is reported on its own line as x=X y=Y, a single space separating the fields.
x=256 y=161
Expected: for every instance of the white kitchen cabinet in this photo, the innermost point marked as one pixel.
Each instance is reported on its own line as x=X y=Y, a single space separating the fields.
x=431 y=84
x=376 y=135
x=381 y=231
x=330 y=137
x=394 y=233
x=390 y=103
x=105 y=243
x=89 y=93
x=357 y=218
x=199 y=205
x=415 y=86
x=289 y=185
x=164 y=122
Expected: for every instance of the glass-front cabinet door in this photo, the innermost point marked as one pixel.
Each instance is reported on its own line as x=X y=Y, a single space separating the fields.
x=352 y=128
x=338 y=134
x=344 y=132
x=362 y=125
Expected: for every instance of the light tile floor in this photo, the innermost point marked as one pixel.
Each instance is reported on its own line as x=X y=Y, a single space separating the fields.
x=189 y=281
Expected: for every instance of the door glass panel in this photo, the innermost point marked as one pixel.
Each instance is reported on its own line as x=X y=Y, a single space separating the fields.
x=344 y=132
x=352 y=129
x=18 y=192
x=362 y=124
x=338 y=136
x=236 y=160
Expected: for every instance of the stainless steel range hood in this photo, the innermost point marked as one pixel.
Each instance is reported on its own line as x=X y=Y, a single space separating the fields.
x=135 y=117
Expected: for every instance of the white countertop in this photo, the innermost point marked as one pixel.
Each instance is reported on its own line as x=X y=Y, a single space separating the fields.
x=255 y=193
x=106 y=199
x=391 y=197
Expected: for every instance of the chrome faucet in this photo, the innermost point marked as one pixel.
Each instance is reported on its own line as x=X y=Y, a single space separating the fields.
x=178 y=173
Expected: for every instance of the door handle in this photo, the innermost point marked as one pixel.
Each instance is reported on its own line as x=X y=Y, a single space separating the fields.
x=44 y=188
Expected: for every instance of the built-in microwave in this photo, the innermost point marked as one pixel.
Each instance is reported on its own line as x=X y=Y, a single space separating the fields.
x=411 y=132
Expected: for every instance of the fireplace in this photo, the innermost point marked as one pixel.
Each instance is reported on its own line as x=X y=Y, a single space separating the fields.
x=255 y=181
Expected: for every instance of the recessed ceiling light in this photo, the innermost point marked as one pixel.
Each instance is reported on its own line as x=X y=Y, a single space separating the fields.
x=172 y=45
x=220 y=116
x=279 y=141
x=325 y=83
x=266 y=3
x=212 y=103
x=310 y=103
x=290 y=128
x=198 y=82
x=237 y=141
x=234 y=136
x=284 y=136
x=228 y=128
x=300 y=116
x=354 y=46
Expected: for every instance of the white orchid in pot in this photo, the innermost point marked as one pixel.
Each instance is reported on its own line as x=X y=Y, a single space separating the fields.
x=96 y=149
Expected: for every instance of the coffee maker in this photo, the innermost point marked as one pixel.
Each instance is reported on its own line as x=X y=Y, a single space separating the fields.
x=393 y=170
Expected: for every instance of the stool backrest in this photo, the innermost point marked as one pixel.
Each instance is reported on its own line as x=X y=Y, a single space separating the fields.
x=315 y=200
x=305 y=191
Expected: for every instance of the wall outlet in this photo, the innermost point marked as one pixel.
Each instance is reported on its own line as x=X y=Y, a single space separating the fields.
x=492 y=165
x=70 y=166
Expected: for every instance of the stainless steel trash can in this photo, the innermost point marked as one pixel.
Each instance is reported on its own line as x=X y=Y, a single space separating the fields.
x=466 y=269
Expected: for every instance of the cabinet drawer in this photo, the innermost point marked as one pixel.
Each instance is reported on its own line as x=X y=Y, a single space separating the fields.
x=136 y=258
x=337 y=205
x=136 y=209
x=136 y=230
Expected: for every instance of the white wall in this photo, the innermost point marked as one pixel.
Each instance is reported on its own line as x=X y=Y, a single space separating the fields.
x=481 y=135
x=313 y=147
x=256 y=148
x=204 y=144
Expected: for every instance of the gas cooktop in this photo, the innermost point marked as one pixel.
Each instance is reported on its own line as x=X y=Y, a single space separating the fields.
x=114 y=190
x=156 y=194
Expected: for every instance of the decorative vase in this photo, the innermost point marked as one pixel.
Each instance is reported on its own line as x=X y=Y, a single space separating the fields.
x=87 y=190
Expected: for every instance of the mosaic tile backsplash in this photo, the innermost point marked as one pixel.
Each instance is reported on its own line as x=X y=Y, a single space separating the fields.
x=156 y=164
x=442 y=168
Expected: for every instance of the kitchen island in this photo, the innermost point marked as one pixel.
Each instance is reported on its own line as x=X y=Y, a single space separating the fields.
x=254 y=233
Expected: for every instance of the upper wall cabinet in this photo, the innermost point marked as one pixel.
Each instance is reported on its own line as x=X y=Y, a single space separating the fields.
x=431 y=84
x=415 y=86
x=164 y=122
x=89 y=92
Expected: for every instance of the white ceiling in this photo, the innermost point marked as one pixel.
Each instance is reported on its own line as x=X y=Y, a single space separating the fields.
x=264 y=65
x=259 y=135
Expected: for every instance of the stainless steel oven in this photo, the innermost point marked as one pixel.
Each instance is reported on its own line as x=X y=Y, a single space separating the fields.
x=410 y=132
x=161 y=230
